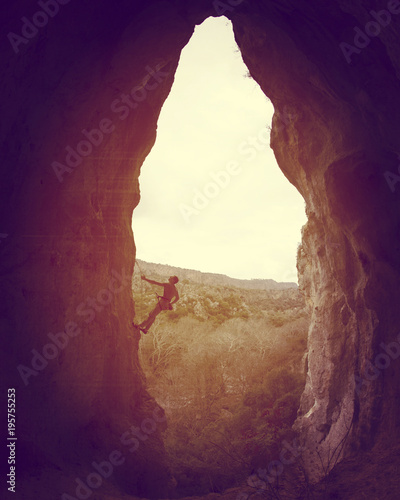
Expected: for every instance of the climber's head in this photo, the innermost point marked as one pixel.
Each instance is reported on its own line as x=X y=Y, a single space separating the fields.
x=173 y=280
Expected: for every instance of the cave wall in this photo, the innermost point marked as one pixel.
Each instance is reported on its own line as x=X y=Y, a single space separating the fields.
x=69 y=232
x=335 y=135
x=70 y=238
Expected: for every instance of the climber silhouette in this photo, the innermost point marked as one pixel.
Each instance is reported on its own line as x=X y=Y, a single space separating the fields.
x=164 y=301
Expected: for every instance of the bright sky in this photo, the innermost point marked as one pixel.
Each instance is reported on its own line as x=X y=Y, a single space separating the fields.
x=212 y=195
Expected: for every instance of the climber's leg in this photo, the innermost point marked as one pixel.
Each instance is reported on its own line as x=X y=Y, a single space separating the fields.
x=145 y=325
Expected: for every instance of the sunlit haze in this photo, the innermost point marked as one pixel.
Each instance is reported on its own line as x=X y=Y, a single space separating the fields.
x=212 y=195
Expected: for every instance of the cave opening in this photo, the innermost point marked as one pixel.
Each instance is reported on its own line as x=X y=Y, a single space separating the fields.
x=220 y=204
x=228 y=363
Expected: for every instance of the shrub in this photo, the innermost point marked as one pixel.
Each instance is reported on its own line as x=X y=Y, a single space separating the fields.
x=230 y=386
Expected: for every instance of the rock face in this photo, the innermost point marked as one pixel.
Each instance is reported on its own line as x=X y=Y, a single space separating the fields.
x=81 y=97
x=334 y=141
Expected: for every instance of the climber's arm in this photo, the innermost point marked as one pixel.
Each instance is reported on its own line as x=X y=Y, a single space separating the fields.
x=152 y=282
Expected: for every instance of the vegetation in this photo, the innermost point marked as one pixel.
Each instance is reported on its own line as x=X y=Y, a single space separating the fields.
x=228 y=366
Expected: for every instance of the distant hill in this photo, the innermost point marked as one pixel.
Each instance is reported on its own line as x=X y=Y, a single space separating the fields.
x=211 y=278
